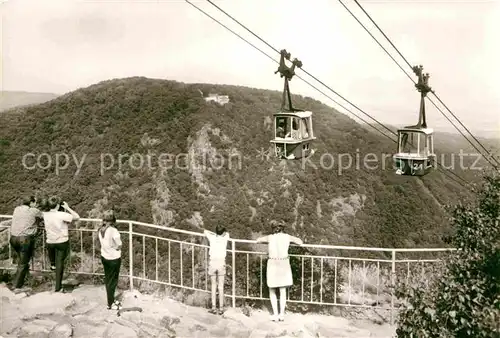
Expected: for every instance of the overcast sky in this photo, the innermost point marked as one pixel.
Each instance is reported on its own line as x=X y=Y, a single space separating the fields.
x=60 y=45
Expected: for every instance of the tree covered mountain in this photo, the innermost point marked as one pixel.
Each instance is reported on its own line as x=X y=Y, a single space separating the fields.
x=205 y=163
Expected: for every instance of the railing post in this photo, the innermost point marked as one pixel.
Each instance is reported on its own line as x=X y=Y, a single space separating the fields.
x=130 y=257
x=8 y=244
x=233 y=267
x=393 y=283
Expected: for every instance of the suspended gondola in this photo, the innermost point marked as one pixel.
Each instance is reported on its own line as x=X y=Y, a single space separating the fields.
x=415 y=154
x=293 y=130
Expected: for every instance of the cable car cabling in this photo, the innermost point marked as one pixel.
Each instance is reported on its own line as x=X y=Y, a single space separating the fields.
x=293 y=130
x=415 y=153
x=447 y=173
x=489 y=156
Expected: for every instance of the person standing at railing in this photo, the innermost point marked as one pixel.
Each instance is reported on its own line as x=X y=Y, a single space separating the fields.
x=111 y=254
x=279 y=271
x=56 y=227
x=217 y=264
x=23 y=232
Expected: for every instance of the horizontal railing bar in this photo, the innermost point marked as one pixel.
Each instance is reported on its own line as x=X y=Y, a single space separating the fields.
x=316 y=303
x=169 y=240
x=312 y=246
x=181 y=231
x=88 y=273
x=260 y=253
x=317 y=256
x=70 y=271
x=172 y=284
x=416 y=260
x=424 y=249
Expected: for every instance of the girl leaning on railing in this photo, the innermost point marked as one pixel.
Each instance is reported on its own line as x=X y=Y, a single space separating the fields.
x=110 y=242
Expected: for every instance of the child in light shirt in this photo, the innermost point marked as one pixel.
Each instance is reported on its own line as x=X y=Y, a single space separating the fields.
x=217 y=264
x=111 y=253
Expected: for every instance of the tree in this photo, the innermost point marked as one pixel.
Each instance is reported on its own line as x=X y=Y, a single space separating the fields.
x=465 y=300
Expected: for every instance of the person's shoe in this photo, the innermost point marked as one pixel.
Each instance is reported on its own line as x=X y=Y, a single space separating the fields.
x=116 y=306
x=61 y=290
x=281 y=317
x=52 y=268
x=274 y=318
x=221 y=311
x=213 y=311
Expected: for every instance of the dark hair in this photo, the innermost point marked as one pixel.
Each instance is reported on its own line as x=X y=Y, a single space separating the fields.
x=109 y=216
x=43 y=204
x=28 y=200
x=53 y=202
x=277 y=227
x=220 y=229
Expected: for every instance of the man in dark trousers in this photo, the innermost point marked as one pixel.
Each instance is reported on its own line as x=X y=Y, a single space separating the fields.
x=56 y=228
x=23 y=231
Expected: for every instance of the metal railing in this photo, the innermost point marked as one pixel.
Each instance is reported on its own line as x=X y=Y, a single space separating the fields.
x=324 y=275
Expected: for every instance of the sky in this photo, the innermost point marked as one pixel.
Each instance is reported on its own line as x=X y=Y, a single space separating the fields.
x=60 y=45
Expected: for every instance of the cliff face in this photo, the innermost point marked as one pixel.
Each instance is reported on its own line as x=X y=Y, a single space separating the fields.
x=158 y=152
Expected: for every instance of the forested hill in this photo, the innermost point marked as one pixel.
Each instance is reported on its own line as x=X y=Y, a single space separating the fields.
x=94 y=126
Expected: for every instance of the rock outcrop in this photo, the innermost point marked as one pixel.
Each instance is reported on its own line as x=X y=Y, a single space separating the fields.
x=82 y=313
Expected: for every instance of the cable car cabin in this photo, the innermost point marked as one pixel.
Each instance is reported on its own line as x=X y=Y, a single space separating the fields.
x=293 y=134
x=415 y=154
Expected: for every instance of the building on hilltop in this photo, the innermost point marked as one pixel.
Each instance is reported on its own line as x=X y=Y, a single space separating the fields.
x=220 y=99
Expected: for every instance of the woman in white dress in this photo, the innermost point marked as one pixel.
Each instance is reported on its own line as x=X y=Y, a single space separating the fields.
x=279 y=271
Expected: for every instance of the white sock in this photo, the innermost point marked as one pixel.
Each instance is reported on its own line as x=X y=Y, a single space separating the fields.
x=282 y=301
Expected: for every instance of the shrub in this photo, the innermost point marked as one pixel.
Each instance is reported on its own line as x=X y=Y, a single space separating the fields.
x=465 y=301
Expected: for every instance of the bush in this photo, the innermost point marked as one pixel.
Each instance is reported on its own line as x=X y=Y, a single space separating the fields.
x=465 y=301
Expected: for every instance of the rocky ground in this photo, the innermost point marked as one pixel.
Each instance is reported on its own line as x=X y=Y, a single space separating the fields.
x=82 y=313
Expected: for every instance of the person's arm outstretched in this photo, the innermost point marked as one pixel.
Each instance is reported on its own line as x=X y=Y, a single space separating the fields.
x=263 y=239
x=208 y=233
x=296 y=240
